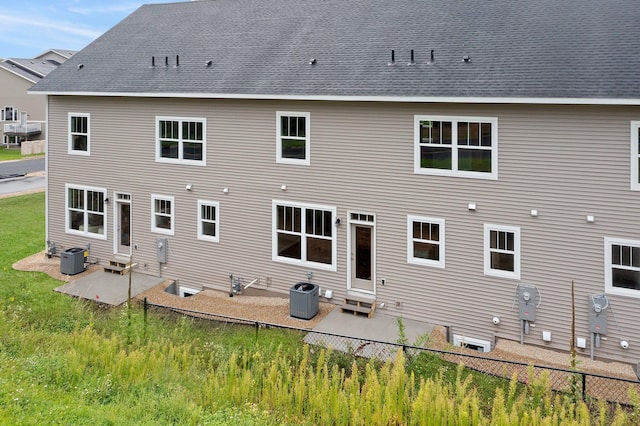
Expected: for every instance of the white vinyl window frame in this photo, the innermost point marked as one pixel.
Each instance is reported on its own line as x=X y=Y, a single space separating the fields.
x=609 y=265
x=73 y=133
x=425 y=239
x=215 y=221
x=455 y=147
x=303 y=234
x=515 y=252
x=86 y=229
x=181 y=140
x=5 y=115
x=635 y=156
x=306 y=138
x=159 y=213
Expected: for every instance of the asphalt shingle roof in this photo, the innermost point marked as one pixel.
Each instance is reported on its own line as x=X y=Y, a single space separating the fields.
x=585 y=49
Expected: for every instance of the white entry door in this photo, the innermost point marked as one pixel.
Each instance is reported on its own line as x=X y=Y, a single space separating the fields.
x=362 y=253
x=122 y=223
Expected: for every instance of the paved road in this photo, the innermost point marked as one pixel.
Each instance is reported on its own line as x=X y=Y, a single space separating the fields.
x=14 y=179
x=22 y=167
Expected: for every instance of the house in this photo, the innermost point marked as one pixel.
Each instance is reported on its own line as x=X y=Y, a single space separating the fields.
x=23 y=116
x=461 y=163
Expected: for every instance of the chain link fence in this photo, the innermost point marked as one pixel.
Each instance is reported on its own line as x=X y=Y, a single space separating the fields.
x=586 y=385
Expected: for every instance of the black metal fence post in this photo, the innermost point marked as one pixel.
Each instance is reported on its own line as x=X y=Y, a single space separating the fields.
x=144 y=316
x=584 y=387
x=257 y=328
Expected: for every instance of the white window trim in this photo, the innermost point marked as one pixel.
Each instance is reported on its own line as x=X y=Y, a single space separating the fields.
x=454 y=147
x=463 y=341
x=163 y=231
x=86 y=232
x=161 y=159
x=608 y=278
x=14 y=112
x=303 y=262
x=307 y=152
x=201 y=236
x=410 y=255
x=187 y=291
x=635 y=173
x=70 y=149
x=487 y=252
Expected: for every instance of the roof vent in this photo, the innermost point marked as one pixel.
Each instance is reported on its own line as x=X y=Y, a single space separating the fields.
x=393 y=57
x=312 y=61
x=466 y=58
x=413 y=62
x=80 y=66
x=166 y=61
x=208 y=63
x=153 y=61
x=177 y=60
x=432 y=59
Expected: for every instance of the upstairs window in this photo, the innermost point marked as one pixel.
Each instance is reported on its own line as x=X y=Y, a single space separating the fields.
x=622 y=267
x=456 y=146
x=502 y=251
x=293 y=142
x=181 y=140
x=635 y=155
x=79 y=133
x=85 y=213
x=9 y=113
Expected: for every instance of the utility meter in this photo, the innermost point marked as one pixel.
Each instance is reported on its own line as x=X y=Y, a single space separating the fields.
x=161 y=250
x=527 y=301
x=598 y=307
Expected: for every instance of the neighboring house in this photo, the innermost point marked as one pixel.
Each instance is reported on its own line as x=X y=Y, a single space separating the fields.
x=444 y=158
x=23 y=116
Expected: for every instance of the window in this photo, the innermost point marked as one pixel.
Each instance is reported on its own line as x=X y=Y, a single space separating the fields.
x=502 y=251
x=635 y=155
x=208 y=220
x=304 y=234
x=78 y=133
x=9 y=113
x=456 y=146
x=181 y=140
x=162 y=214
x=293 y=144
x=622 y=266
x=85 y=213
x=425 y=241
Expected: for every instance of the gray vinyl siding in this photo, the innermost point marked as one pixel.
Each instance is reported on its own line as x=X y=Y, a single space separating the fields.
x=564 y=161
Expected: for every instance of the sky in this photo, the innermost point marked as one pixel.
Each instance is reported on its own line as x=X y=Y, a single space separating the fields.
x=31 y=27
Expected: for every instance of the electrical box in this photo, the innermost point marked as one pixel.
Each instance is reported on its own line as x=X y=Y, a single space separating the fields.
x=598 y=306
x=161 y=250
x=527 y=301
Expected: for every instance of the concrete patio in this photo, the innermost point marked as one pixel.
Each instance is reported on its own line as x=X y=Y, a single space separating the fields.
x=112 y=289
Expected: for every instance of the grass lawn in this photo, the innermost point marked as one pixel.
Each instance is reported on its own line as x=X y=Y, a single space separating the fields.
x=7 y=154
x=72 y=362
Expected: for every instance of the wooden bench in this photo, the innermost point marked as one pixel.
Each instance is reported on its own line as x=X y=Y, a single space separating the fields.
x=359 y=305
